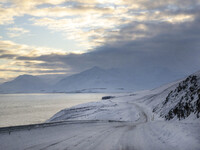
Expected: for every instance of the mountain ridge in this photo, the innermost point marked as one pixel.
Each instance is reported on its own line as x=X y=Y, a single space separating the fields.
x=94 y=79
x=23 y=84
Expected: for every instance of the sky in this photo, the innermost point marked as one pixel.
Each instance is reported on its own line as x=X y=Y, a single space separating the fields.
x=52 y=37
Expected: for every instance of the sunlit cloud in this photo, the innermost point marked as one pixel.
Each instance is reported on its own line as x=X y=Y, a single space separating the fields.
x=179 y=18
x=7 y=14
x=77 y=28
x=16 y=31
x=10 y=51
x=86 y=16
x=14 y=48
x=94 y=25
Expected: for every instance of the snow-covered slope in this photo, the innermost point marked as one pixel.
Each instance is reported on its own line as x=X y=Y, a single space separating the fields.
x=182 y=101
x=120 y=123
x=92 y=80
x=145 y=130
x=23 y=84
x=95 y=79
x=102 y=110
x=110 y=80
x=178 y=100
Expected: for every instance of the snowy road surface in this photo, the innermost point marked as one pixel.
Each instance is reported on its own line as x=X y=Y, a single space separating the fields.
x=142 y=134
x=125 y=122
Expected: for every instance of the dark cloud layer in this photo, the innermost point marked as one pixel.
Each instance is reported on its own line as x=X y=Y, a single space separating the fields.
x=172 y=46
x=8 y=56
x=164 y=51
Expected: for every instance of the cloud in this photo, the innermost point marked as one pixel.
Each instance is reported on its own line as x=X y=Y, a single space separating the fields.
x=73 y=29
x=7 y=56
x=7 y=15
x=139 y=35
x=10 y=66
x=86 y=19
x=91 y=22
x=10 y=47
x=141 y=48
x=16 y=31
x=61 y=11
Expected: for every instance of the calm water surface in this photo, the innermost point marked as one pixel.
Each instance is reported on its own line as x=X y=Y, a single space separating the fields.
x=20 y=109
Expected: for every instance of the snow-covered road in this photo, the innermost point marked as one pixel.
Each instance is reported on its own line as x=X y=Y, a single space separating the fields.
x=103 y=135
x=125 y=122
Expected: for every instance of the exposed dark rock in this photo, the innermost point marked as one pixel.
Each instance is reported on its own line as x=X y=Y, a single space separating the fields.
x=107 y=97
x=188 y=95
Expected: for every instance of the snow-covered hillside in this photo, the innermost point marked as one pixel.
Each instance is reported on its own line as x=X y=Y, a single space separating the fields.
x=183 y=101
x=88 y=81
x=177 y=100
x=24 y=84
x=138 y=120
x=95 y=79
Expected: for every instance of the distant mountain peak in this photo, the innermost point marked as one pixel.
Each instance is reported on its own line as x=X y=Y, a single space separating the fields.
x=95 y=68
x=23 y=84
x=26 y=77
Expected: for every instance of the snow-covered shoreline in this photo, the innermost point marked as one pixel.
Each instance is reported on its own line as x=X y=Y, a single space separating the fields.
x=121 y=122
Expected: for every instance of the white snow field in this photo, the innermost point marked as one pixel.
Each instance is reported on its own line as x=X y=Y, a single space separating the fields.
x=121 y=123
x=134 y=121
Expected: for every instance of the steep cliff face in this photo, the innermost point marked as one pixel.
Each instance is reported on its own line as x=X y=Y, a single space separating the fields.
x=182 y=101
x=187 y=94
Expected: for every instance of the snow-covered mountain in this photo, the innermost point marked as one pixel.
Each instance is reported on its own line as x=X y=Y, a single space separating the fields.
x=111 y=80
x=91 y=80
x=115 y=79
x=24 y=84
x=95 y=79
x=124 y=122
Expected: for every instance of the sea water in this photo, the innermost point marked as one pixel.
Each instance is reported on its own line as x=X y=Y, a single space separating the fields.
x=21 y=109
